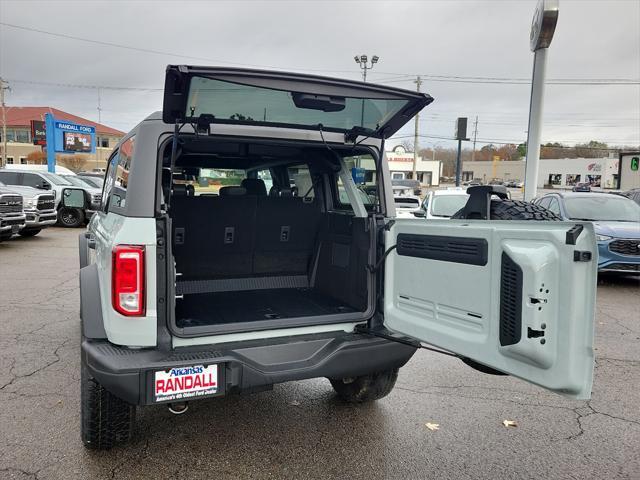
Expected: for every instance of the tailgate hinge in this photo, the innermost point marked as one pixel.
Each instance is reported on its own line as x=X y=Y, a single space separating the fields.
x=387 y=335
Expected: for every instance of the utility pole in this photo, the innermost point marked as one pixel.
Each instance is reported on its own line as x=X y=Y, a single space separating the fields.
x=418 y=82
x=3 y=86
x=100 y=123
x=475 y=136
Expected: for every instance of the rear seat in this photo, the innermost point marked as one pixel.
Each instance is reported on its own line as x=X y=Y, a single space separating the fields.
x=239 y=235
x=213 y=236
x=286 y=229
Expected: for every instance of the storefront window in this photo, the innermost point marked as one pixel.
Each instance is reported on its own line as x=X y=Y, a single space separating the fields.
x=573 y=179
x=555 y=178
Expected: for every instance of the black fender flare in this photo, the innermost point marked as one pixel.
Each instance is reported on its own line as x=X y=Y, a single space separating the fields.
x=90 y=304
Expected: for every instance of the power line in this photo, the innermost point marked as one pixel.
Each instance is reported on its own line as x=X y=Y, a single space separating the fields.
x=148 y=50
x=409 y=77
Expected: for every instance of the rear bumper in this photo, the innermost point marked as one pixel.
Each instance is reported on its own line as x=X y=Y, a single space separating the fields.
x=37 y=219
x=247 y=366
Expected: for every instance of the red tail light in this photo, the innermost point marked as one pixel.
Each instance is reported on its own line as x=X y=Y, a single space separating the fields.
x=128 y=280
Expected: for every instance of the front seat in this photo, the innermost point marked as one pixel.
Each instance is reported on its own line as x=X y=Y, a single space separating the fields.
x=254 y=186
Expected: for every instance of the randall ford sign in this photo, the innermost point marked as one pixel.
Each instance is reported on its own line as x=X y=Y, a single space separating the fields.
x=74 y=138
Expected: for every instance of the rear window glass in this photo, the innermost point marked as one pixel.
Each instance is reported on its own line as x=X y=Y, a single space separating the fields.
x=247 y=103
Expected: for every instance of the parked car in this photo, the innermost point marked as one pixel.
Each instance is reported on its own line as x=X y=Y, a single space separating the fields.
x=38 y=207
x=616 y=220
x=411 y=187
x=188 y=296
x=406 y=205
x=12 y=217
x=444 y=203
x=472 y=183
x=581 y=187
x=67 y=216
x=515 y=183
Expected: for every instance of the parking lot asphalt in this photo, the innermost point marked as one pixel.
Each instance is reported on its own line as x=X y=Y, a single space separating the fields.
x=300 y=430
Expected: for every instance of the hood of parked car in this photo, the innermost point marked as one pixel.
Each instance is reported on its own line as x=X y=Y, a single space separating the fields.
x=618 y=229
x=27 y=192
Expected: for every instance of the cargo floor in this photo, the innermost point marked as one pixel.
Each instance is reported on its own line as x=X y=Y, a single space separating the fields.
x=254 y=305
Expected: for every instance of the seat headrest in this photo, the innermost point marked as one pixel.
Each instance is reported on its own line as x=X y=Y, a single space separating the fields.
x=191 y=190
x=254 y=186
x=232 y=191
x=179 y=189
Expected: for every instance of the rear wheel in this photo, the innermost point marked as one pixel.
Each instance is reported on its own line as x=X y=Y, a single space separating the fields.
x=365 y=388
x=29 y=233
x=105 y=420
x=70 y=217
x=516 y=210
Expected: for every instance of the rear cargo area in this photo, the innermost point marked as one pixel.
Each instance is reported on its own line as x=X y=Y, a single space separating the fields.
x=250 y=259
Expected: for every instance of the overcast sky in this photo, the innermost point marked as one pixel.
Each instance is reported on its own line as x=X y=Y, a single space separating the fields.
x=593 y=40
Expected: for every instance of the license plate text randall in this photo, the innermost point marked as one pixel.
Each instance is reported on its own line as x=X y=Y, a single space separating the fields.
x=183 y=383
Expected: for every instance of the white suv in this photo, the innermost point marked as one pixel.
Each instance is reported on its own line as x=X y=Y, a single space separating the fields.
x=197 y=280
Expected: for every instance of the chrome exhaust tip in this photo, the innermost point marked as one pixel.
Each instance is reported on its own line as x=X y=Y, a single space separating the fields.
x=178 y=408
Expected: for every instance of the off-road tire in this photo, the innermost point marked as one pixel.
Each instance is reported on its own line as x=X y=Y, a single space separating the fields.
x=70 y=217
x=105 y=420
x=29 y=233
x=365 y=388
x=516 y=210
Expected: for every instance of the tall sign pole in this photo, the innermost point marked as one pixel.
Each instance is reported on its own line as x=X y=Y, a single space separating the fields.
x=543 y=26
x=461 y=134
x=51 y=149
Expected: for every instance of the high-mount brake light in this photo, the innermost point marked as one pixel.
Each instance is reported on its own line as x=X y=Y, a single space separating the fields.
x=128 y=280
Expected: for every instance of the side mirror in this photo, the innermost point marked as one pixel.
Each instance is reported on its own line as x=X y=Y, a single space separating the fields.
x=420 y=214
x=73 y=198
x=44 y=185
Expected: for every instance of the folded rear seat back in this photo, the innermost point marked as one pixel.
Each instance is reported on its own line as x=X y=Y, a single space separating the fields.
x=214 y=236
x=286 y=230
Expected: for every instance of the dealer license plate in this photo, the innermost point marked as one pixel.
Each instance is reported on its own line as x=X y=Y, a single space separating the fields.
x=185 y=383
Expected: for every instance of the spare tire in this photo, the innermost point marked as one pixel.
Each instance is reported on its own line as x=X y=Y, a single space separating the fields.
x=508 y=209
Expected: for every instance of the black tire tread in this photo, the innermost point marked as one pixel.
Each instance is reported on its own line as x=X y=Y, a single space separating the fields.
x=508 y=209
x=520 y=210
x=106 y=420
x=366 y=388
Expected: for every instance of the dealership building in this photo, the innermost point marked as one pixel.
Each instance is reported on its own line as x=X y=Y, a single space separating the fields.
x=400 y=161
x=21 y=140
x=556 y=172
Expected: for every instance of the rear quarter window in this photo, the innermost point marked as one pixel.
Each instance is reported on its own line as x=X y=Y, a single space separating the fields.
x=114 y=193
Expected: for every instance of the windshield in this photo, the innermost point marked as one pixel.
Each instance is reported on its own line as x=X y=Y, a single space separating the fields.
x=56 y=179
x=447 y=205
x=95 y=182
x=78 y=182
x=602 y=208
x=247 y=103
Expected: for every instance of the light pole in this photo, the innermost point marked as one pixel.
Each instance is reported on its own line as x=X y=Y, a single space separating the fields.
x=543 y=26
x=364 y=66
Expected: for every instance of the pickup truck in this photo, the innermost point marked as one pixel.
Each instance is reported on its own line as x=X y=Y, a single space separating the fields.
x=12 y=217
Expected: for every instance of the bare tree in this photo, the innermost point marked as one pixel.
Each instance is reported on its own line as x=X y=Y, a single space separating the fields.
x=37 y=158
x=75 y=163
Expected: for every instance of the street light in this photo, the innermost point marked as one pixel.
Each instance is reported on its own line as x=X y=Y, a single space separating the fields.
x=364 y=66
x=543 y=26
